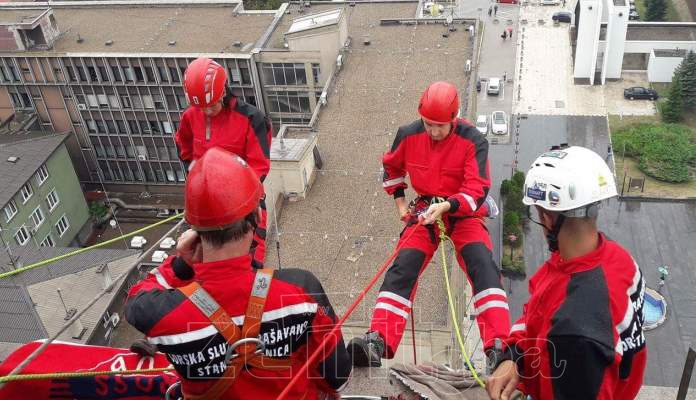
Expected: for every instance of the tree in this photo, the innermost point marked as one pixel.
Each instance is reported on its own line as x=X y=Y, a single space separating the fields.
x=673 y=108
x=656 y=10
x=518 y=179
x=687 y=76
x=505 y=187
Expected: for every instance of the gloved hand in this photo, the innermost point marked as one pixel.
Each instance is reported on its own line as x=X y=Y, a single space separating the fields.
x=143 y=348
x=434 y=212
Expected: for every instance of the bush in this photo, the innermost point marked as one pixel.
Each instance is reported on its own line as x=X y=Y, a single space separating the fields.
x=511 y=219
x=663 y=151
x=518 y=179
x=673 y=109
x=505 y=188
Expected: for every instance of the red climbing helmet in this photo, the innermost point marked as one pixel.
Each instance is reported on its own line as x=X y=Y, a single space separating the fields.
x=439 y=103
x=204 y=82
x=221 y=189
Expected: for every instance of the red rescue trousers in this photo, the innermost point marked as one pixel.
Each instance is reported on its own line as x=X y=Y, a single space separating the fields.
x=473 y=246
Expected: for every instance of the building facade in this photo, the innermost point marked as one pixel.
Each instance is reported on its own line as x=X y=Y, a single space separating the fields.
x=42 y=202
x=121 y=93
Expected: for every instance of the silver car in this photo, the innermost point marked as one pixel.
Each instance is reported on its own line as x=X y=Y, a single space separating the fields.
x=482 y=124
x=499 y=124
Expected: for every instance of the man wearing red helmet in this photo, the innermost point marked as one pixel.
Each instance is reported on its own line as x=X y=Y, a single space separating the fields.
x=445 y=157
x=278 y=318
x=217 y=118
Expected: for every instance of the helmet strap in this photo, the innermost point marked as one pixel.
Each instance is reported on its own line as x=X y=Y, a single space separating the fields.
x=552 y=236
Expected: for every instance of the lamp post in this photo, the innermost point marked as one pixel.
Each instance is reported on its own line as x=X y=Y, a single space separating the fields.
x=512 y=238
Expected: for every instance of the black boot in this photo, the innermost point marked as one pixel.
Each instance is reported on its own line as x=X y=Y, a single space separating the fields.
x=367 y=351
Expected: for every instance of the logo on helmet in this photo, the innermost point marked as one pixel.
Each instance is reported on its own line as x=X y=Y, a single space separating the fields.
x=601 y=180
x=555 y=154
x=537 y=191
x=554 y=198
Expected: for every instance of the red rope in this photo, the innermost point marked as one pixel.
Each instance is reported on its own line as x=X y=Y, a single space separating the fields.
x=336 y=330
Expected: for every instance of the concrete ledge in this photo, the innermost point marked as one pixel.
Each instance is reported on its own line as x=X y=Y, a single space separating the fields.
x=648 y=199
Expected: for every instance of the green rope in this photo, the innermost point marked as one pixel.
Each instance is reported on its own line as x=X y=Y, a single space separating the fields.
x=453 y=312
x=35 y=377
x=80 y=251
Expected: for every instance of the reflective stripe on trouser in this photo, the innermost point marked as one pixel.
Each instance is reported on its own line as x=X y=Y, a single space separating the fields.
x=398 y=290
x=258 y=244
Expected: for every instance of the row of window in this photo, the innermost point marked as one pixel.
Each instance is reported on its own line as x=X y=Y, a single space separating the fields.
x=144 y=102
x=135 y=73
x=288 y=102
x=23 y=234
x=288 y=74
x=27 y=191
x=124 y=171
x=121 y=147
x=9 y=74
x=52 y=200
x=136 y=127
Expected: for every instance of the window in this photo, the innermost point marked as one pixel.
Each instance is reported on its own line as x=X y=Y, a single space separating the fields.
x=147 y=101
x=117 y=73
x=22 y=236
x=92 y=100
x=284 y=74
x=174 y=74
x=126 y=101
x=91 y=126
x=62 y=225
x=235 y=76
x=27 y=192
x=52 y=199
x=41 y=175
x=37 y=217
x=128 y=73
x=103 y=100
x=10 y=210
x=113 y=101
x=167 y=127
x=293 y=102
x=159 y=102
x=162 y=71
x=47 y=242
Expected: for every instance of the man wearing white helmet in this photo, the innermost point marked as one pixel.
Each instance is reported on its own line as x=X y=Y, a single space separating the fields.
x=581 y=332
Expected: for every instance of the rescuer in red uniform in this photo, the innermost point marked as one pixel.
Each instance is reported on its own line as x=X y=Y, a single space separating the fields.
x=217 y=118
x=231 y=331
x=445 y=157
x=581 y=332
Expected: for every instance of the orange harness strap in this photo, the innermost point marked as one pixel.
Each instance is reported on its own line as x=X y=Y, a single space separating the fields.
x=244 y=347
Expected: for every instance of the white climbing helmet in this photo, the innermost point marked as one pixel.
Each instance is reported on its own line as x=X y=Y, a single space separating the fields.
x=569 y=180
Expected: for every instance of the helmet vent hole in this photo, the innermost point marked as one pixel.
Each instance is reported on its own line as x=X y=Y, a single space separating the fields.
x=549 y=165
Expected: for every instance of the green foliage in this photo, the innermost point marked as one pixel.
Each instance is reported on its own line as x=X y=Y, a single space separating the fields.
x=97 y=210
x=511 y=219
x=656 y=10
x=513 y=202
x=262 y=4
x=664 y=151
x=687 y=77
x=673 y=109
x=518 y=179
x=505 y=188
x=510 y=266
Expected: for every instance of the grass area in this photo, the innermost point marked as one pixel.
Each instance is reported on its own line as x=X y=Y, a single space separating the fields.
x=671 y=16
x=653 y=187
x=662 y=89
x=629 y=168
x=517 y=266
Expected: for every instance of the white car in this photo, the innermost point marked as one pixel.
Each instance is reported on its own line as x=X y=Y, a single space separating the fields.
x=482 y=124
x=493 y=86
x=499 y=125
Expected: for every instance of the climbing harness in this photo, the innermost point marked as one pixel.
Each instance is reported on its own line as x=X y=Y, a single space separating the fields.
x=243 y=346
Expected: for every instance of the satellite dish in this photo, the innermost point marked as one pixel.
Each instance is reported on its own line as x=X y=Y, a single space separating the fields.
x=112 y=223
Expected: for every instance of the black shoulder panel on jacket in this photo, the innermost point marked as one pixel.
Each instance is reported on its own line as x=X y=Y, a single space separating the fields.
x=581 y=337
x=309 y=283
x=405 y=131
x=258 y=122
x=147 y=308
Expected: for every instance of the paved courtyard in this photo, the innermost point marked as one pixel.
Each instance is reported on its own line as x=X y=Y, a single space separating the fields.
x=545 y=78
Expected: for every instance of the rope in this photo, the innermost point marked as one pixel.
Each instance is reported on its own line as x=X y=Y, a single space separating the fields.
x=35 y=377
x=86 y=249
x=336 y=329
x=77 y=315
x=453 y=311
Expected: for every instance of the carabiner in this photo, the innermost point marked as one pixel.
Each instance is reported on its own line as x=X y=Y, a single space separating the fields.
x=230 y=355
x=168 y=393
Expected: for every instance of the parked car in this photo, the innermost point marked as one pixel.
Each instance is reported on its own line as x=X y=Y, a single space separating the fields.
x=550 y=2
x=493 y=86
x=633 y=15
x=638 y=92
x=562 y=16
x=482 y=124
x=499 y=125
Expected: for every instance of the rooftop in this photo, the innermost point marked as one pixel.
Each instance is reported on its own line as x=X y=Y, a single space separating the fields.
x=140 y=26
x=20 y=310
x=680 y=53
x=347 y=226
x=31 y=151
x=662 y=31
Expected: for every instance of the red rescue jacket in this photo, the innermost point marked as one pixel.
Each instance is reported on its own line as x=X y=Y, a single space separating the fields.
x=240 y=128
x=455 y=168
x=297 y=317
x=581 y=332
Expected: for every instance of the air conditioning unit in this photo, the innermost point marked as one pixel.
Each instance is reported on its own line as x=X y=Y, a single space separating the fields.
x=339 y=61
x=81 y=107
x=142 y=157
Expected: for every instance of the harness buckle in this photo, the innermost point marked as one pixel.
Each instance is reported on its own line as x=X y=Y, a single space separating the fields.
x=170 y=394
x=231 y=354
